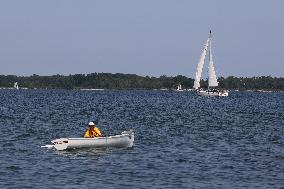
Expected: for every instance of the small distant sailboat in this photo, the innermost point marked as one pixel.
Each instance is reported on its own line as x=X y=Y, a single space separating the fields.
x=212 y=89
x=179 y=88
x=16 y=86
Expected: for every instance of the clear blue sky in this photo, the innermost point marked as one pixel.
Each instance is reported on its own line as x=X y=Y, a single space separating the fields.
x=145 y=37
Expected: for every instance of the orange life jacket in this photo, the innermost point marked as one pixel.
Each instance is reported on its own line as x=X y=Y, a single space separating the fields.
x=92 y=132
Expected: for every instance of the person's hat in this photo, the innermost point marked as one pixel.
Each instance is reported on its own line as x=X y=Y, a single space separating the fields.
x=91 y=123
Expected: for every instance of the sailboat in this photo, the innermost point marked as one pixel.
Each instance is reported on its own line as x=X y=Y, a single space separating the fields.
x=179 y=88
x=212 y=89
x=16 y=86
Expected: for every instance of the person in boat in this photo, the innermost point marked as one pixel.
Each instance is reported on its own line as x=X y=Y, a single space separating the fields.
x=92 y=131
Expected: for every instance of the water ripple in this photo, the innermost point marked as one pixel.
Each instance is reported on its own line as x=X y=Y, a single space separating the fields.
x=181 y=140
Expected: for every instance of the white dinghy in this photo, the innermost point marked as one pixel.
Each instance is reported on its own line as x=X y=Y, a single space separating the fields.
x=124 y=140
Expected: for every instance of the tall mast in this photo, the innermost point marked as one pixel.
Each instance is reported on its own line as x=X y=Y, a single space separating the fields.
x=209 y=53
x=210 y=37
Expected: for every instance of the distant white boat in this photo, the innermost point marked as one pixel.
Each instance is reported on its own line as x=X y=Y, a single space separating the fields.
x=179 y=88
x=212 y=89
x=92 y=89
x=16 y=86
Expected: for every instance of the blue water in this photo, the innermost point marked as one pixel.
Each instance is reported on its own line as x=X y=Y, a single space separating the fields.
x=181 y=140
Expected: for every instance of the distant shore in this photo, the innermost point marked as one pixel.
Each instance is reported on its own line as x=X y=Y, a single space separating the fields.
x=118 y=81
x=170 y=90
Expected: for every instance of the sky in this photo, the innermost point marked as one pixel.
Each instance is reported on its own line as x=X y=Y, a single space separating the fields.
x=144 y=37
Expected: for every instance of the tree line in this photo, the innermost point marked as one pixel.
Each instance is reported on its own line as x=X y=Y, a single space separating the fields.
x=133 y=81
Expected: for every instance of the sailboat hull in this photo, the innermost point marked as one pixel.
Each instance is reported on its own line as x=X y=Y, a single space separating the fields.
x=207 y=93
x=212 y=93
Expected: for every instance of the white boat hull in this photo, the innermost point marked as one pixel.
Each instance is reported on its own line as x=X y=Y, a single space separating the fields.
x=224 y=93
x=179 y=90
x=124 y=140
x=212 y=93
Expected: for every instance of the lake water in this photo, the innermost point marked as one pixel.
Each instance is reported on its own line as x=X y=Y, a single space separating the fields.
x=181 y=140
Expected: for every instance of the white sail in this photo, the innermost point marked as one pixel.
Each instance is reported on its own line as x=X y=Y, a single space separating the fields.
x=200 y=66
x=212 y=78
